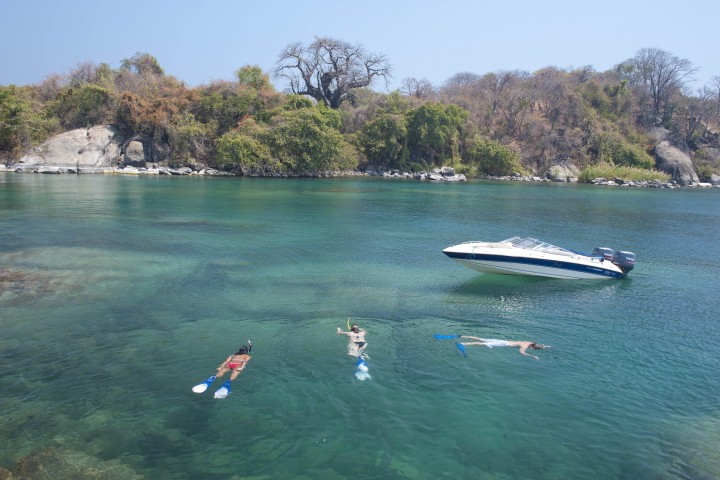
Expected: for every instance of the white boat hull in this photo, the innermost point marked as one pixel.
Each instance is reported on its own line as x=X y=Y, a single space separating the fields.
x=506 y=259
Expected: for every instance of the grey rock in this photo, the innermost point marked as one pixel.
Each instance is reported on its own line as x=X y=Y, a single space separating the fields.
x=93 y=148
x=563 y=172
x=134 y=154
x=676 y=163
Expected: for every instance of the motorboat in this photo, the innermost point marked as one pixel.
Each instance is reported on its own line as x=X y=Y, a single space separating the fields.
x=530 y=256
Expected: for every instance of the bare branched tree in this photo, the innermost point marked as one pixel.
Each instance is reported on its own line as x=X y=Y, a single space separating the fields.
x=661 y=73
x=328 y=70
x=417 y=88
x=715 y=85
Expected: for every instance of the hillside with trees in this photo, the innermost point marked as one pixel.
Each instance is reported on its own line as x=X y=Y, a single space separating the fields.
x=331 y=119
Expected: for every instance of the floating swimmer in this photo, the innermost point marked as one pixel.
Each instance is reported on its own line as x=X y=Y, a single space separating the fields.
x=356 y=343
x=356 y=348
x=235 y=363
x=492 y=342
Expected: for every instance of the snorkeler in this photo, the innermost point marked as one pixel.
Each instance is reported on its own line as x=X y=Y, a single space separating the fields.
x=491 y=342
x=234 y=363
x=356 y=343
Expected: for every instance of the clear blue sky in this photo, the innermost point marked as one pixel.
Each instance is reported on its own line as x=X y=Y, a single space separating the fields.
x=201 y=41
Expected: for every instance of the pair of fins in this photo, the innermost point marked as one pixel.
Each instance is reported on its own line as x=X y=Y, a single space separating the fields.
x=221 y=392
x=460 y=346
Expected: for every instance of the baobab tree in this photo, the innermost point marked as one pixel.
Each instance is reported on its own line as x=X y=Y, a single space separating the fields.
x=329 y=70
x=661 y=74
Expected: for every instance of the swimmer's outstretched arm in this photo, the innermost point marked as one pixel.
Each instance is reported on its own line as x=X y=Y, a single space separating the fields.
x=522 y=351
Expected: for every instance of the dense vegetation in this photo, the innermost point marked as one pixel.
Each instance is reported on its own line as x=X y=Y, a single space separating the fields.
x=499 y=123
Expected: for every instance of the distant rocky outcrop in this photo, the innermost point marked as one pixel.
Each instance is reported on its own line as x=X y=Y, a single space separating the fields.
x=78 y=151
x=671 y=159
x=563 y=172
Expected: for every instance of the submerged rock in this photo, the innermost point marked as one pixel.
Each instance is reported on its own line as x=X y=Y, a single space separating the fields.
x=60 y=464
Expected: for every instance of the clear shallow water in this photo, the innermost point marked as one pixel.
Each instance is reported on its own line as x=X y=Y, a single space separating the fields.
x=118 y=294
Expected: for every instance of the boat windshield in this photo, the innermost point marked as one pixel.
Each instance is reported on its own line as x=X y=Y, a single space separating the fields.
x=529 y=243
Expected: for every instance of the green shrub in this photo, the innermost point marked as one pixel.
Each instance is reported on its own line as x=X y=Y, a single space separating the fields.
x=308 y=140
x=238 y=151
x=705 y=171
x=633 y=156
x=493 y=158
x=383 y=141
x=611 y=172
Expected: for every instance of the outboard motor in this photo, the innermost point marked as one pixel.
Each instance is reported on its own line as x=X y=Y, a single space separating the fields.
x=604 y=252
x=624 y=260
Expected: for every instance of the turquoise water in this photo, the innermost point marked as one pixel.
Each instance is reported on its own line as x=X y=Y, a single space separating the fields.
x=118 y=294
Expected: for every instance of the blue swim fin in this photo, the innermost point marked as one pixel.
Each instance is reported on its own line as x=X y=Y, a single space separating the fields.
x=223 y=391
x=201 y=387
x=444 y=337
x=461 y=347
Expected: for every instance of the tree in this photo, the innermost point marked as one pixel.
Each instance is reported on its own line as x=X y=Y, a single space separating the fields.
x=252 y=76
x=716 y=89
x=435 y=130
x=417 y=88
x=245 y=150
x=188 y=138
x=661 y=74
x=141 y=64
x=328 y=70
x=84 y=106
x=493 y=158
x=384 y=139
x=308 y=140
x=23 y=121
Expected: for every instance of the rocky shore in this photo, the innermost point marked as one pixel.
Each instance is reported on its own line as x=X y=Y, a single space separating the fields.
x=102 y=150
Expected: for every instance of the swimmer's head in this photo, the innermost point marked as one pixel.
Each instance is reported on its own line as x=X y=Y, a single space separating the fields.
x=537 y=346
x=242 y=350
x=355 y=328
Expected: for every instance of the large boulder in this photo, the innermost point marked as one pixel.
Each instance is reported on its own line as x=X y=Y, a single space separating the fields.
x=84 y=150
x=676 y=163
x=563 y=172
x=134 y=154
x=671 y=159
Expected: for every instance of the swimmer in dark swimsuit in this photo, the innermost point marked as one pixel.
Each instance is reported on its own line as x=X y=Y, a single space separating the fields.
x=235 y=363
x=357 y=343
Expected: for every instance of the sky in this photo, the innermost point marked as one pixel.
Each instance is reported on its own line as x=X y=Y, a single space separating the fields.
x=202 y=41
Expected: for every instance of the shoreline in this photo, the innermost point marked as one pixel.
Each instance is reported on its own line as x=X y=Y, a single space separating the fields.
x=437 y=175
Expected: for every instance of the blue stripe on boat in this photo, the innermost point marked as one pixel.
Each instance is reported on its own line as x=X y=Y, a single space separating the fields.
x=536 y=261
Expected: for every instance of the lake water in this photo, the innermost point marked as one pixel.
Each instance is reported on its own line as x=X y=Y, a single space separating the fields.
x=118 y=294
